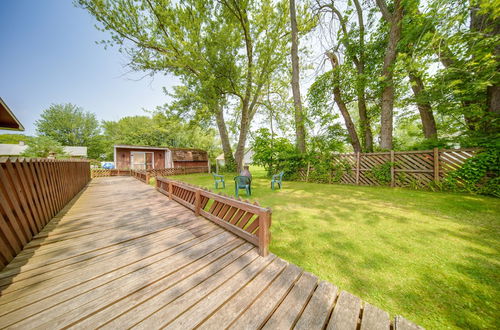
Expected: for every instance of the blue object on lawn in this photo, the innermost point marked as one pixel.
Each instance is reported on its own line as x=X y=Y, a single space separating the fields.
x=108 y=166
x=277 y=178
x=242 y=182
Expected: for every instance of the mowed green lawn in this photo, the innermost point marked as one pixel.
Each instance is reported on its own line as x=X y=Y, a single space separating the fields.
x=431 y=257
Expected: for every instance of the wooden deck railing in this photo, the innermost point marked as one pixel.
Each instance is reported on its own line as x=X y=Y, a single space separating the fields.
x=141 y=175
x=96 y=173
x=100 y=172
x=32 y=192
x=248 y=221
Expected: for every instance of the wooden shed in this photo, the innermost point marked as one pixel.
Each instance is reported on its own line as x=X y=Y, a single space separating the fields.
x=147 y=157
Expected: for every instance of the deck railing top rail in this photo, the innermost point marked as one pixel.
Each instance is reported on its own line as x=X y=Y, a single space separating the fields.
x=45 y=160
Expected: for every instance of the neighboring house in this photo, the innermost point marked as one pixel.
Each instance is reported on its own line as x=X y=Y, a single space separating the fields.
x=247 y=159
x=7 y=118
x=146 y=157
x=13 y=150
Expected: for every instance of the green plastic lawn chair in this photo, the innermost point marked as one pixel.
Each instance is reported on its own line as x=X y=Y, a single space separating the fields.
x=219 y=179
x=277 y=178
x=242 y=182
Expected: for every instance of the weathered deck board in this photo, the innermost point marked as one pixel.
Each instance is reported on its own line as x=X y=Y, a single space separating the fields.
x=122 y=255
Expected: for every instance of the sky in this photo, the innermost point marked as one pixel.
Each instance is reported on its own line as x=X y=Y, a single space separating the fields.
x=49 y=55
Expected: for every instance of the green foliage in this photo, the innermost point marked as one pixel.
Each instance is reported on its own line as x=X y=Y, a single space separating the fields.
x=408 y=252
x=158 y=130
x=14 y=138
x=381 y=173
x=275 y=154
x=42 y=147
x=479 y=174
x=70 y=125
x=224 y=52
x=278 y=154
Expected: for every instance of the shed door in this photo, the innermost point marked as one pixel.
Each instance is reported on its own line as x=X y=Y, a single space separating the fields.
x=169 y=163
x=149 y=160
x=140 y=160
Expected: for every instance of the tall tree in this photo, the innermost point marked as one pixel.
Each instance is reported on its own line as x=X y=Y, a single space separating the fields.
x=394 y=19
x=300 y=133
x=339 y=100
x=70 y=125
x=466 y=41
x=416 y=42
x=227 y=48
x=351 y=35
x=423 y=104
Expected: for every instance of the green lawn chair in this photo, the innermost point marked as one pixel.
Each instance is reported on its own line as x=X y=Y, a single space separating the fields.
x=277 y=178
x=219 y=179
x=242 y=182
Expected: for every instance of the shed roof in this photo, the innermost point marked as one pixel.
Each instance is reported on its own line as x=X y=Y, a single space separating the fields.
x=7 y=118
x=155 y=148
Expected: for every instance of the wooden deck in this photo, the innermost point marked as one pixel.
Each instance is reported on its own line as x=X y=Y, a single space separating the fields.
x=122 y=255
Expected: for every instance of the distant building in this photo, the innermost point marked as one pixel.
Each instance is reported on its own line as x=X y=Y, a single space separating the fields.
x=15 y=150
x=7 y=118
x=147 y=157
x=247 y=159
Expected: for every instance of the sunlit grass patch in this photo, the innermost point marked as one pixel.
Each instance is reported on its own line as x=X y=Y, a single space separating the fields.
x=431 y=257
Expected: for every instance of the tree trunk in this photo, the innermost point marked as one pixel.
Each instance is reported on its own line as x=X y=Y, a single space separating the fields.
x=229 y=161
x=387 y=100
x=244 y=127
x=494 y=99
x=364 y=124
x=424 y=106
x=337 y=94
x=351 y=128
x=493 y=91
x=299 y=115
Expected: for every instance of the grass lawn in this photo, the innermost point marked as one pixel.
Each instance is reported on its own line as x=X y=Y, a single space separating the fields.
x=431 y=257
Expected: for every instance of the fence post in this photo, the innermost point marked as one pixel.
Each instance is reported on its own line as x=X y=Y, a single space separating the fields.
x=170 y=190
x=357 y=167
x=264 y=234
x=147 y=177
x=436 y=164
x=392 y=168
x=197 y=202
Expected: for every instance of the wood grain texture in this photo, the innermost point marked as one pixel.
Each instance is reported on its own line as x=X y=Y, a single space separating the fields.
x=319 y=308
x=32 y=191
x=374 y=318
x=346 y=312
x=121 y=255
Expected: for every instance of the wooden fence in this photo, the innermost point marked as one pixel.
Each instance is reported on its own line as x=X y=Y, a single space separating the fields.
x=32 y=192
x=100 y=172
x=141 y=175
x=248 y=221
x=406 y=168
x=151 y=173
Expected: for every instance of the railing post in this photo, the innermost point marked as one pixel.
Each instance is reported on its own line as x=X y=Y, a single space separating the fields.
x=197 y=202
x=264 y=233
x=436 y=164
x=147 y=177
x=357 y=167
x=392 y=168
x=170 y=190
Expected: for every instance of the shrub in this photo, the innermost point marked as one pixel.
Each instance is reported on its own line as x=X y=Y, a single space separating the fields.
x=381 y=173
x=479 y=174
